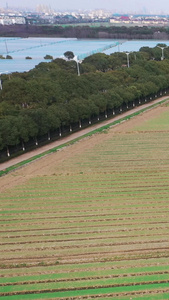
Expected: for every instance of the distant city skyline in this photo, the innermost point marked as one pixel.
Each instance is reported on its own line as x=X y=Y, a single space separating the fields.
x=121 y=6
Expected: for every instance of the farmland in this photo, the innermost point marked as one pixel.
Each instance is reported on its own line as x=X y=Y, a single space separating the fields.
x=91 y=220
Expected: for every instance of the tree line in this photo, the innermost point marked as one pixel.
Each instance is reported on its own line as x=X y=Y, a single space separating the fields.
x=52 y=95
x=112 y=32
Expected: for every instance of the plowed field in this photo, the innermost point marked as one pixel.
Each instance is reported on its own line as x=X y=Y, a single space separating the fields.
x=91 y=221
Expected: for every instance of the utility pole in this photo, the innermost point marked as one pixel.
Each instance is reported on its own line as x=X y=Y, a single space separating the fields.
x=77 y=62
x=78 y=70
x=0 y=82
x=162 y=49
x=128 y=63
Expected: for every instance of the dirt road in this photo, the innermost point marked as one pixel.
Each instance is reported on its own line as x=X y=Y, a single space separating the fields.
x=75 y=135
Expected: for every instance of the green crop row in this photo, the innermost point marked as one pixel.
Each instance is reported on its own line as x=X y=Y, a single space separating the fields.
x=136 y=264
x=99 y=291
x=89 y=284
x=87 y=274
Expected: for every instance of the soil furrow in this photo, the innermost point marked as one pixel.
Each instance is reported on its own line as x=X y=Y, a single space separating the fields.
x=86 y=246
x=76 y=239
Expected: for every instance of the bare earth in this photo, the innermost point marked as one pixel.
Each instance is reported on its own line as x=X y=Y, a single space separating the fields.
x=52 y=163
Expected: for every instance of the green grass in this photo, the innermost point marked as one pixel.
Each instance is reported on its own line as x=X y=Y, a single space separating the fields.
x=89 y=284
x=156 y=124
x=101 y=291
x=85 y=274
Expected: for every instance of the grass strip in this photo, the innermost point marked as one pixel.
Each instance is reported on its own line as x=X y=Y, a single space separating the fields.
x=86 y=284
x=78 y=275
x=83 y=267
x=76 y=293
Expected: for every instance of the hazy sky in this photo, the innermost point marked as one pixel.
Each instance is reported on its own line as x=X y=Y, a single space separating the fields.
x=144 y=6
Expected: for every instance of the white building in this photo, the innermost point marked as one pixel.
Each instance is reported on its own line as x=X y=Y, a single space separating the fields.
x=10 y=20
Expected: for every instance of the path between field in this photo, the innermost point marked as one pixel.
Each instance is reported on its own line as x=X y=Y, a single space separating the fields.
x=75 y=135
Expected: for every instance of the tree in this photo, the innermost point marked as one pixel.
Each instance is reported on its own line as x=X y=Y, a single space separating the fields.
x=9 y=131
x=87 y=68
x=161 y=45
x=47 y=56
x=69 y=55
x=134 y=91
x=26 y=127
x=60 y=113
x=8 y=57
x=137 y=72
x=148 y=51
x=114 y=61
x=41 y=120
x=152 y=67
x=99 y=60
x=7 y=109
x=14 y=91
x=100 y=101
x=53 y=117
x=35 y=95
x=113 y=99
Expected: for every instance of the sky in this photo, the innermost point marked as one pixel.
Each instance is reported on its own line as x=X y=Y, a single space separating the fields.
x=121 y=6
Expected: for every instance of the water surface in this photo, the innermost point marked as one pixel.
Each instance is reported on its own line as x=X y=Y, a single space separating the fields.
x=37 y=48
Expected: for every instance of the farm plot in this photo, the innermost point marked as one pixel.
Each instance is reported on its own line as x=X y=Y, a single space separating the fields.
x=92 y=220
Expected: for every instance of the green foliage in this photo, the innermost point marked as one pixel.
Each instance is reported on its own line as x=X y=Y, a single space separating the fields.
x=7 y=109
x=52 y=95
x=87 y=68
x=8 y=57
x=9 y=132
x=27 y=127
x=40 y=118
x=47 y=56
x=148 y=51
x=69 y=55
x=114 y=99
x=14 y=91
x=98 y=60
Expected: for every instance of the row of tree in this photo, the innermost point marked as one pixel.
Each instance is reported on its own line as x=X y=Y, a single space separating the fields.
x=113 y=32
x=52 y=95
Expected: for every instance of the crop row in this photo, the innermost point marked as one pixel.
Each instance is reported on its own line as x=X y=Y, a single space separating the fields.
x=89 y=291
x=95 y=226
x=85 y=275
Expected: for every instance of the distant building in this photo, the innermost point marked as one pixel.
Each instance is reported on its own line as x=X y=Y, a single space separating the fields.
x=140 y=20
x=11 y=19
